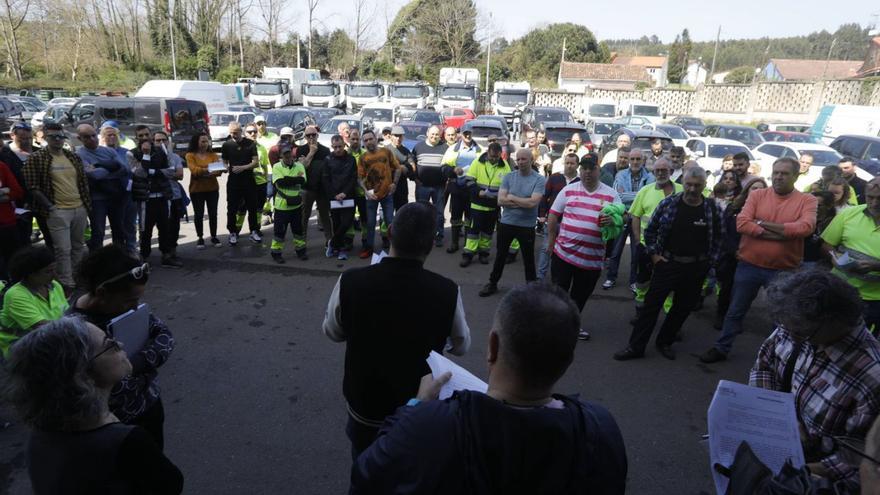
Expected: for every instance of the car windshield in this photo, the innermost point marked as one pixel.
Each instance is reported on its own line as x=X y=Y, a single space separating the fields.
x=406 y=92
x=802 y=138
x=673 y=131
x=380 y=114
x=456 y=93
x=364 y=91
x=222 y=119
x=266 y=88
x=512 y=99
x=320 y=90
x=323 y=113
x=722 y=150
x=741 y=134
x=187 y=115
x=332 y=125
x=648 y=110
x=606 y=128
x=484 y=132
x=561 y=134
x=429 y=117
x=546 y=115
x=824 y=158
x=412 y=132
x=278 y=118
x=601 y=110
x=689 y=121
x=644 y=143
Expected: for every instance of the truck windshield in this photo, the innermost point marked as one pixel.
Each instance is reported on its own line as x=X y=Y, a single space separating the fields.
x=457 y=93
x=380 y=114
x=364 y=91
x=512 y=99
x=319 y=90
x=648 y=111
x=406 y=92
x=266 y=88
x=601 y=110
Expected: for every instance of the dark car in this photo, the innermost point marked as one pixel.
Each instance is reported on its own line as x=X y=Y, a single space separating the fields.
x=324 y=114
x=640 y=139
x=414 y=132
x=865 y=149
x=558 y=133
x=748 y=136
x=788 y=137
x=10 y=112
x=429 y=116
x=179 y=117
x=532 y=118
x=295 y=118
x=496 y=118
x=692 y=125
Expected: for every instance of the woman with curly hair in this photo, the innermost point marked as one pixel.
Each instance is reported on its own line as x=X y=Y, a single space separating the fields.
x=60 y=377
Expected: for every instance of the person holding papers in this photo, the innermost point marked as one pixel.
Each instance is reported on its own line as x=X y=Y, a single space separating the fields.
x=115 y=282
x=822 y=353
x=386 y=350
x=339 y=181
x=519 y=436
x=203 y=187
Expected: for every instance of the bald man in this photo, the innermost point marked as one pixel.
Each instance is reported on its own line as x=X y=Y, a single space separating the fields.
x=432 y=175
x=108 y=177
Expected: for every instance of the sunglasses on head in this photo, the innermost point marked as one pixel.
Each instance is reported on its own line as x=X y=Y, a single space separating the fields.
x=136 y=273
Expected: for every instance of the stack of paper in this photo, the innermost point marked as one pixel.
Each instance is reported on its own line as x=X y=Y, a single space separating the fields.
x=462 y=379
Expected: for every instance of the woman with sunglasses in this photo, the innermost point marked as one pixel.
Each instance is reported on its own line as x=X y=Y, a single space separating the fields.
x=115 y=282
x=60 y=379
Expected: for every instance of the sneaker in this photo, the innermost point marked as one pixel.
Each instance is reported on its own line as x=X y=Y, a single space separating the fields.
x=713 y=355
x=330 y=252
x=488 y=290
x=583 y=335
x=200 y=244
x=342 y=256
x=627 y=354
x=256 y=237
x=278 y=258
x=216 y=242
x=608 y=284
x=233 y=239
x=171 y=262
x=632 y=288
x=365 y=253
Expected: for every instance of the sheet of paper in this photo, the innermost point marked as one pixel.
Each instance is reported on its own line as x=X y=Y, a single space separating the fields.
x=217 y=167
x=462 y=379
x=378 y=257
x=21 y=211
x=764 y=418
x=345 y=203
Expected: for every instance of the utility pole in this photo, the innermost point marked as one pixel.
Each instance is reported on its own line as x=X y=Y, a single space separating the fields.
x=488 y=54
x=561 y=61
x=715 y=54
x=766 y=54
x=171 y=33
x=298 y=61
x=828 y=58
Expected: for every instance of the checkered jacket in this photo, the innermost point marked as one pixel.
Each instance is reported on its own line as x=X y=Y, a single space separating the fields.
x=37 y=173
x=660 y=228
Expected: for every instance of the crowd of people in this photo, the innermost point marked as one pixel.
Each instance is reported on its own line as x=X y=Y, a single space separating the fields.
x=814 y=247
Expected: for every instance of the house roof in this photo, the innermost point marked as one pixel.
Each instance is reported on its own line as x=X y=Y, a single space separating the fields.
x=611 y=72
x=793 y=70
x=640 y=60
x=871 y=67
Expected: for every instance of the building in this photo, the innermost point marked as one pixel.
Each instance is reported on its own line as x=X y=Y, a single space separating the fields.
x=696 y=74
x=657 y=67
x=576 y=77
x=871 y=67
x=783 y=69
x=718 y=77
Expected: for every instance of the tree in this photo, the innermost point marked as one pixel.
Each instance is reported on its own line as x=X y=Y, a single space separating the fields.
x=537 y=54
x=364 y=12
x=313 y=5
x=677 y=61
x=270 y=12
x=14 y=14
x=740 y=75
x=426 y=33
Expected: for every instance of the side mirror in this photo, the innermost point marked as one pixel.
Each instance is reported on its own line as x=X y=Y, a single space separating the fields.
x=664 y=115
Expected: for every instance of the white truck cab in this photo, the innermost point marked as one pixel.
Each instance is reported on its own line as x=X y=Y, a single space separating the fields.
x=508 y=96
x=325 y=94
x=360 y=93
x=409 y=94
x=637 y=108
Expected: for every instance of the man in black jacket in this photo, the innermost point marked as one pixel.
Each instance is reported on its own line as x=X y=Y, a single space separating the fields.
x=313 y=155
x=518 y=437
x=339 y=181
x=386 y=347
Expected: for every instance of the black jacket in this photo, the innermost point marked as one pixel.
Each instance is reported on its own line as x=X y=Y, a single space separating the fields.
x=339 y=175
x=144 y=182
x=314 y=170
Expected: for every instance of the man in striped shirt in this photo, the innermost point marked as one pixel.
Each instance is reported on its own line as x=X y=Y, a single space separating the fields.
x=574 y=236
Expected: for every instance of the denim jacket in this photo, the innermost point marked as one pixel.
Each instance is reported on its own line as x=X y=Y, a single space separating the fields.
x=623 y=185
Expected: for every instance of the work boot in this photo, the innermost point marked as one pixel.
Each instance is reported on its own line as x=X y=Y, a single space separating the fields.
x=484 y=258
x=488 y=289
x=278 y=258
x=170 y=261
x=466 y=260
x=453 y=246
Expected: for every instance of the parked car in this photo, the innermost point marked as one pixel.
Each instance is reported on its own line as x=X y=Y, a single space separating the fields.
x=636 y=122
x=244 y=107
x=219 y=127
x=296 y=118
x=414 y=132
x=406 y=113
x=456 y=117
x=382 y=114
x=30 y=105
x=53 y=113
x=787 y=137
x=323 y=114
x=678 y=134
x=481 y=129
x=331 y=126
x=600 y=128
x=834 y=121
x=749 y=136
x=63 y=100
x=532 y=119
x=10 y=111
x=640 y=139
x=710 y=152
x=865 y=149
x=823 y=156
x=179 y=117
x=497 y=118
x=558 y=133
x=692 y=125
x=784 y=127
x=429 y=116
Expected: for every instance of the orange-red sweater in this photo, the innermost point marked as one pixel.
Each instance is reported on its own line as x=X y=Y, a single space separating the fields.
x=796 y=211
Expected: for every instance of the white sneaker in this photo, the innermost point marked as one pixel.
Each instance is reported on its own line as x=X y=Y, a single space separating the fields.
x=608 y=284
x=256 y=237
x=233 y=239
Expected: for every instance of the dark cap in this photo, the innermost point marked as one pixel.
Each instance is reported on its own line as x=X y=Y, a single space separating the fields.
x=387 y=130
x=397 y=131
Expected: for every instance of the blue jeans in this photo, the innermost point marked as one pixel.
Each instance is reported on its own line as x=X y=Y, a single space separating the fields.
x=130 y=223
x=436 y=195
x=613 y=263
x=102 y=210
x=387 y=214
x=543 y=258
x=747 y=282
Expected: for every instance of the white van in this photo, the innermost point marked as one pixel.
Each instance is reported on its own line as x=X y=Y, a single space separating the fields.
x=211 y=93
x=637 y=108
x=603 y=108
x=836 y=120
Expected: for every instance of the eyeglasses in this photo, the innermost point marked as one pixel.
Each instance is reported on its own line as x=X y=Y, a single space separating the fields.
x=311 y=135
x=136 y=273
x=251 y=132
x=260 y=123
x=110 y=345
x=56 y=136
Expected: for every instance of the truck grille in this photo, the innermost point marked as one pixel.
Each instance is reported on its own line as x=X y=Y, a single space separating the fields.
x=265 y=105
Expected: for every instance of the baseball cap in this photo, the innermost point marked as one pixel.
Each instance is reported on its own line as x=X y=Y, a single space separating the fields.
x=397 y=131
x=110 y=123
x=286 y=131
x=21 y=124
x=467 y=131
x=386 y=130
x=259 y=118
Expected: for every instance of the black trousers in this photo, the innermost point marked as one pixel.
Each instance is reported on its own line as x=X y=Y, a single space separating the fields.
x=238 y=192
x=725 y=274
x=261 y=198
x=341 y=218
x=686 y=281
x=175 y=213
x=154 y=213
x=645 y=265
x=459 y=209
x=401 y=194
x=153 y=420
x=199 y=201
x=526 y=238
x=10 y=242
x=579 y=283
x=360 y=435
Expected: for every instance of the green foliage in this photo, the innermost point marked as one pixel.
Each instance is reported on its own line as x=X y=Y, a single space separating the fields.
x=381 y=69
x=206 y=58
x=679 y=53
x=230 y=74
x=537 y=54
x=412 y=72
x=740 y=75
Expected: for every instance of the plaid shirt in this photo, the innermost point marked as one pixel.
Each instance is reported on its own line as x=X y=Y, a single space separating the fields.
x=836 y=389
x=37 y=173
x=660 y=227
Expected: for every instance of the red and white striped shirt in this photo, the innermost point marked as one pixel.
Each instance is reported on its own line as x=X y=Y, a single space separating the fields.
x=580 y=240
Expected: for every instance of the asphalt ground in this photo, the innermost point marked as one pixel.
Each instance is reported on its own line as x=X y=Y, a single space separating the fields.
x=253 y=391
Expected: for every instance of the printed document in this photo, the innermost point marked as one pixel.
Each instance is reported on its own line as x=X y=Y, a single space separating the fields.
x=217 y=167
x=462 y=379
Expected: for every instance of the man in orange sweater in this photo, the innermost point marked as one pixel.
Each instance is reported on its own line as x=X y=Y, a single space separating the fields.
x=773 y=224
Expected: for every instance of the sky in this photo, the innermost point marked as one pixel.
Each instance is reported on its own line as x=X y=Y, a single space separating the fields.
x=738 y=18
